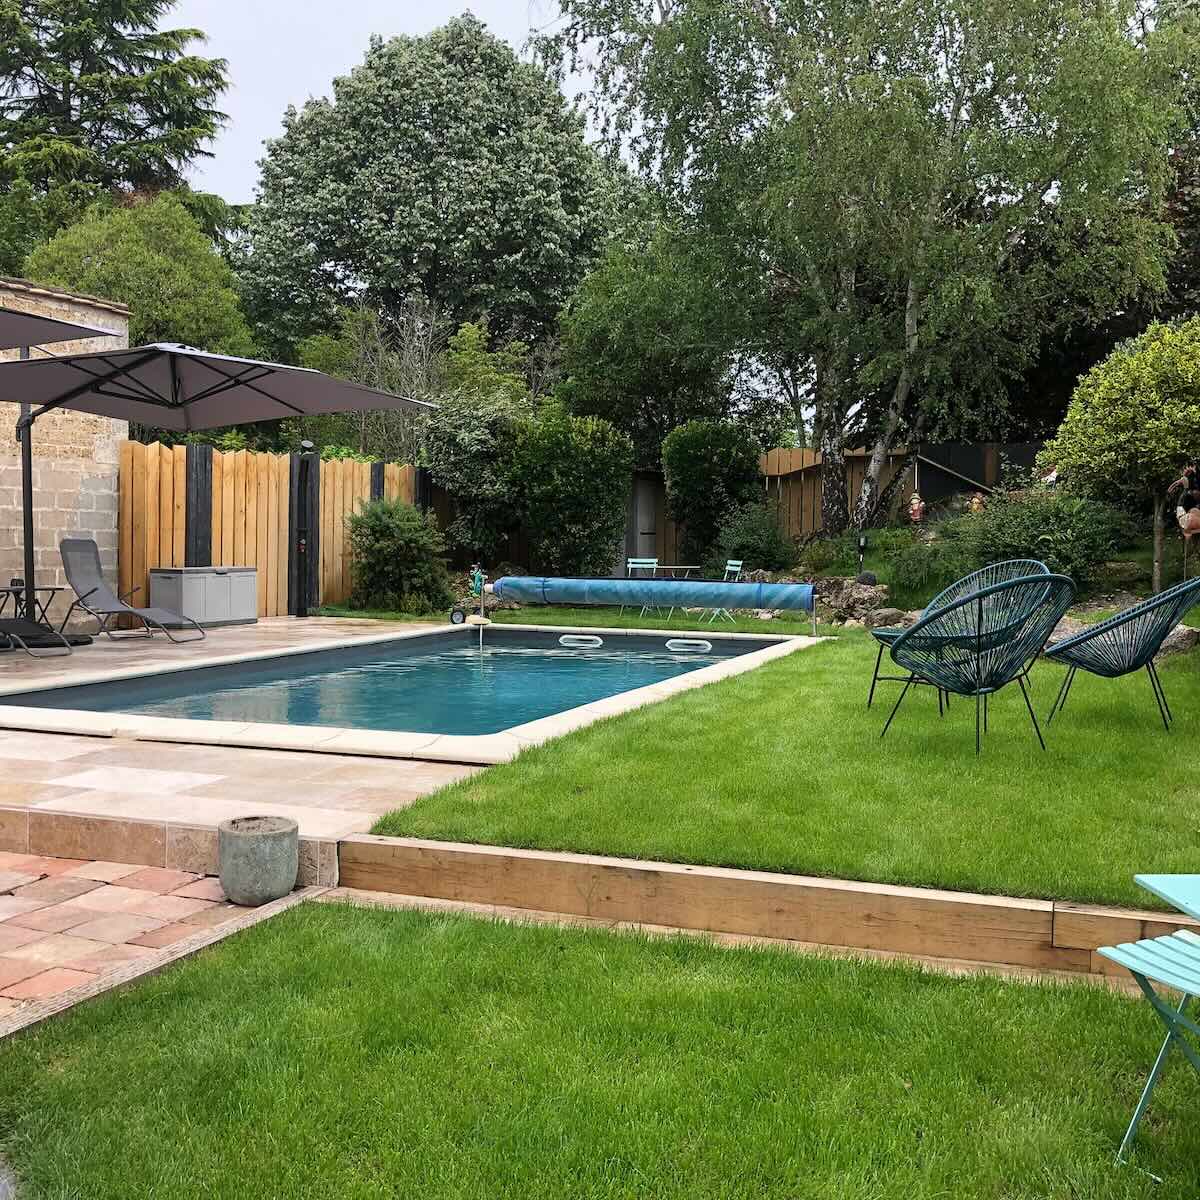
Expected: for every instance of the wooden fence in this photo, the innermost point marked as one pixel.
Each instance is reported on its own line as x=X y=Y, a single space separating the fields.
x=192 y=506
x=793 y=479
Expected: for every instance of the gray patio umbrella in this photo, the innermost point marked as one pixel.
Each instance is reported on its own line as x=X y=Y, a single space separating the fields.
x=22 y=329
x=174 y=387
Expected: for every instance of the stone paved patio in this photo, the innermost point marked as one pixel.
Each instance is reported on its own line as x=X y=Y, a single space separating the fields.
x=65 y=922
x=329 y=795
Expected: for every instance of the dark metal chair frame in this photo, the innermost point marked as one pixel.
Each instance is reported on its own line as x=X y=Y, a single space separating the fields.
x=1124 y=643
x=17 y=631
x=984 y=641
x=100 y=602
x=1013 y=568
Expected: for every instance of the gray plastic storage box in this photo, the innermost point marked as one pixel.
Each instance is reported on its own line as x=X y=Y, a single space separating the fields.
x=209 y=595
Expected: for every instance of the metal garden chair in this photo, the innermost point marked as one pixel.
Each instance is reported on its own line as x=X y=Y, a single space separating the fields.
x=983 y=641
x=1171 y=961
x=733 y=572
x=1013 y=568
x=1125 y=643
x=649 y=567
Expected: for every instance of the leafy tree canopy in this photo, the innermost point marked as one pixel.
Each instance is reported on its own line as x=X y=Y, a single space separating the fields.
x=649 y=342
x=878 y=174
x=152 y=256
x=443 y=167
x=1132 y=421
x=94 y=97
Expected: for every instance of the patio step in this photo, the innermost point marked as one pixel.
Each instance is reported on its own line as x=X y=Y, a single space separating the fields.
x=923 y=922
x=146 y=842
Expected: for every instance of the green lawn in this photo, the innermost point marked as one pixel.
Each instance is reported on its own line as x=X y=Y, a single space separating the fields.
x=369 y=1054
x=783 y=769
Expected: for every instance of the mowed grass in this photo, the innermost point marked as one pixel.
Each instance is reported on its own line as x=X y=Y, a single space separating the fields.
x=336 y=1052
x=783 y=769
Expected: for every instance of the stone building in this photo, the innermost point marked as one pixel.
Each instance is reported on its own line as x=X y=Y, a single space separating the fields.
x=75 y=455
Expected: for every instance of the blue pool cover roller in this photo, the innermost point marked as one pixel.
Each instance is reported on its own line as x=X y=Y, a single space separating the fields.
x=661 y=593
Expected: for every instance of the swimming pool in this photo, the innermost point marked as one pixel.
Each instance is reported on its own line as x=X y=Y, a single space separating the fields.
x=449 y=685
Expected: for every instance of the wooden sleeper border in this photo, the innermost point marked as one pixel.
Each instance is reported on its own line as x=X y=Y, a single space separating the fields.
x=924 y=922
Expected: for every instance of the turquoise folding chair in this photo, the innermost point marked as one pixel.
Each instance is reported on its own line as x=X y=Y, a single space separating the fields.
x=733 y=572
x=650 y=568
x=1172 y=961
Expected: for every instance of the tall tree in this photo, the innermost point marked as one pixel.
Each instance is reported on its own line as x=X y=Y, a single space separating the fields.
x=94 y=97
x=442 y=167
x=883 y=168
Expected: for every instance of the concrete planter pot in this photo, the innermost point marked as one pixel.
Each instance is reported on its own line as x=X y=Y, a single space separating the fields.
x=258 y=858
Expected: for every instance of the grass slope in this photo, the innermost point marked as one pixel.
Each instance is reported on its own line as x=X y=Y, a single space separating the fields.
x=369 y=1054
x=783 y=769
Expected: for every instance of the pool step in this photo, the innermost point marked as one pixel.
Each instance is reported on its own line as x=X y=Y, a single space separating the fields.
x=922 y=922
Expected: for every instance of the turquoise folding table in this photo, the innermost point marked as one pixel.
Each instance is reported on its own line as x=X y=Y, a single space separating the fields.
x=1172 y=961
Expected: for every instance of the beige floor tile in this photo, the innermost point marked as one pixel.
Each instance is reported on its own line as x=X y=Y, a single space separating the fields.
x=137 y=780
x=53 y=950
x=108 y=898
x=105 y=872
x=116 y=927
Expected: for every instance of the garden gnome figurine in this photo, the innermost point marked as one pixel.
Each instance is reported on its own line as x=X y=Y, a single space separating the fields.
x=977 y=502
x=916 y=509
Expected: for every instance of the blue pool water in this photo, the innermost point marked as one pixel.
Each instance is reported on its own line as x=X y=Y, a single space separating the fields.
x=439 y=684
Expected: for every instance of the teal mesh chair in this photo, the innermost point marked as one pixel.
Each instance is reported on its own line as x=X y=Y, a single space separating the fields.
x=1013 y=568
x=983 y=642
x=1125 y=643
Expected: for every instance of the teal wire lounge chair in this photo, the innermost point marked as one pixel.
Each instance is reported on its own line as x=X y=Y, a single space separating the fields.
x=1013 y=568
x=1125 y=643
x=983 y=641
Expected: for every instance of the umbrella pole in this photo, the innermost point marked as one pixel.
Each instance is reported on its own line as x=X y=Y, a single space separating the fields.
x=27 y=512
x=25 y=436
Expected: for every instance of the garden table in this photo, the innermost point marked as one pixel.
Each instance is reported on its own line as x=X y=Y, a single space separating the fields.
x=17 y=595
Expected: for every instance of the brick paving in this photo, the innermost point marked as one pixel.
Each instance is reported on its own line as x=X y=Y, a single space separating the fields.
x=66 y=922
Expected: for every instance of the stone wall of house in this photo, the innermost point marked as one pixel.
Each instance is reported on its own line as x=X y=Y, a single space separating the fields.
x=75 y=455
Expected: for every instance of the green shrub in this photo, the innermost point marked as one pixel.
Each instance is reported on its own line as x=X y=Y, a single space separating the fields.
x=829 y=556
x=923 y=568
x=753 y=534
x=711 y=468
x=572 y=475
x=1071 y=535
x=397 y=559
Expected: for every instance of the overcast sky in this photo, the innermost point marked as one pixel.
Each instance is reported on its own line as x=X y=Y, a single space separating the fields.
x=281 y=52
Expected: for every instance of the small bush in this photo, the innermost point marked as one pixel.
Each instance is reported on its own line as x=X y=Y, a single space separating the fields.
x=397 y=559
x=572 y=475
x=753 y=534
x=710 y=468
x=829 y=556
x=923 y=568
x=1071 y=535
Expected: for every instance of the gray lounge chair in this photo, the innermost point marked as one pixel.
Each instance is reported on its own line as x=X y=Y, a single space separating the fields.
x=19 y=633
x=81 y=561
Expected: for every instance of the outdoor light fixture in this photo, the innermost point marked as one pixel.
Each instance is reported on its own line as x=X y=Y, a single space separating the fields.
x=862 y=550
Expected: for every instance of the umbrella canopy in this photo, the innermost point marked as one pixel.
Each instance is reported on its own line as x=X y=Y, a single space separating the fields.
x=173 y=387
x=27 y=329
x=180 y=388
